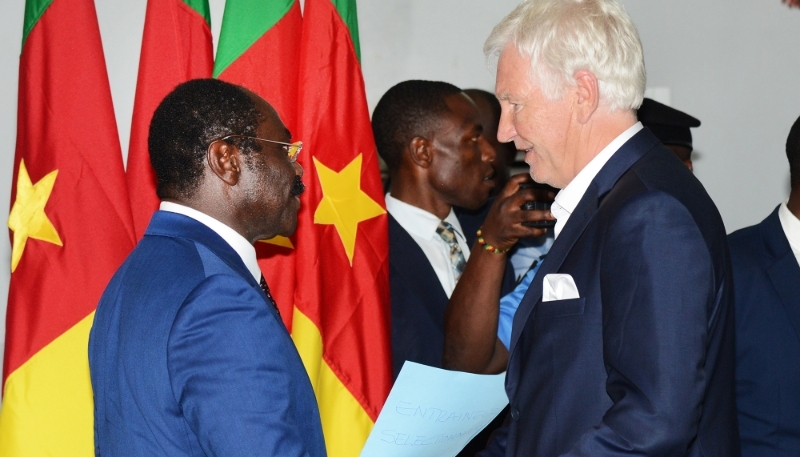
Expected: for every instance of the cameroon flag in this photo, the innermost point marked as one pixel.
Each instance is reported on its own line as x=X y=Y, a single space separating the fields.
x=341 y=320
x=176 y=47
x=259 y=47
x=70 y=227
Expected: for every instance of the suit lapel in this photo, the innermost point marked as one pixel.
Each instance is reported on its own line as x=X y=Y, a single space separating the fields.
x=577 y=223
x=408 y=261
x=630 y=152
x=785 y=271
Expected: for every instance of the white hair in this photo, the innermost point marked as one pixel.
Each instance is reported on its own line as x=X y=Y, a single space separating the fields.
x=562 y=37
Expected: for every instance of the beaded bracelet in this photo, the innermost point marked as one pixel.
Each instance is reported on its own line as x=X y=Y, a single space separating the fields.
x=487 y=246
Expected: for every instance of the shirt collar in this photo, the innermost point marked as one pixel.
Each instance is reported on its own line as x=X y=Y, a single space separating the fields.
x=791 y=228
x=417 y=221
x=568 y=198
x=236 y=241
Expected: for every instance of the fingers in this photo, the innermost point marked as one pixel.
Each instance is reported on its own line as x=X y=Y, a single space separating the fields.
x=508 y=221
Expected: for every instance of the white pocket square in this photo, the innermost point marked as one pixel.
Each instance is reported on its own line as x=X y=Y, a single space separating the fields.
x=559 y=286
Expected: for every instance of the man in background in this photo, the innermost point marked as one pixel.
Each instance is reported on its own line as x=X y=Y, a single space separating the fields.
x=766 y=273
x=672 y=127
x=430 y=135
x=188 y=355
x=623 y=343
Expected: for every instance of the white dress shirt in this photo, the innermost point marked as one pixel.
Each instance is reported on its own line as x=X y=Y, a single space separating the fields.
x=421 y=225
x=791 y=227
x=239 y=244
x=568 y=198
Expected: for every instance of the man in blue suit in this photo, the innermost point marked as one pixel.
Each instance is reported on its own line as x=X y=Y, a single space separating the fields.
x=188 y=355
x=623 y=344
x=766 y=273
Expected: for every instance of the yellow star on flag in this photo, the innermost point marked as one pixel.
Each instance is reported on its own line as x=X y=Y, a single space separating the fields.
x=343 y=203
x=279 y=241
x=27 y=218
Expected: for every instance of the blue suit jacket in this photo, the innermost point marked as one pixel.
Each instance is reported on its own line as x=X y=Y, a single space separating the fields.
x=188 y=358
x=767 y=291
x=642 y=362
x=417 y=297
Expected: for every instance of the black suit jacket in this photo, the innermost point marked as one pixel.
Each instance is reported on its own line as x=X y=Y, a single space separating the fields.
x=417 y=297
x=642 y=362
x=767 y=295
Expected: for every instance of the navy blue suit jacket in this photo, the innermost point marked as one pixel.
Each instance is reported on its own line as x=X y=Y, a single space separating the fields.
x=417 y=297
x=187 y=357
x=767 y=295
x=643 y=362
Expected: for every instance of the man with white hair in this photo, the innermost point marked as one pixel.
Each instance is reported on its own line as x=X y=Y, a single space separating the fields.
x=623 y=344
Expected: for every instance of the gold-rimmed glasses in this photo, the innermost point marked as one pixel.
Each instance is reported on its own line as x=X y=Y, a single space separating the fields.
x=292 y=149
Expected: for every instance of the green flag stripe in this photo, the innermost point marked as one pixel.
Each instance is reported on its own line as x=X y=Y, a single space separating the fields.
x=347 y=10
x=201 y=6
x=33 y=11
x=243 y=23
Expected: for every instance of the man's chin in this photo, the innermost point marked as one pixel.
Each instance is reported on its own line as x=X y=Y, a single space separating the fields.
x=290 y=229
x=475 y=203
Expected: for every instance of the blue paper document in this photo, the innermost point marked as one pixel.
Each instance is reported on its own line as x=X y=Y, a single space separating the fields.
x=434 y=412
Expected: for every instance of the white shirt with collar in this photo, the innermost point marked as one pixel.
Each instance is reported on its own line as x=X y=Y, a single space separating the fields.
x=421 y=225
x=568 y=198
x=239 y=244
x=791 y=228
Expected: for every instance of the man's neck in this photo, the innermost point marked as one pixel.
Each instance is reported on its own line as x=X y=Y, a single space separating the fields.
x=420 y=197
x=598 y=134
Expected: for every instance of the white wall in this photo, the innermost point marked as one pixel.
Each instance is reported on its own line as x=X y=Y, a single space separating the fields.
x=733 y=64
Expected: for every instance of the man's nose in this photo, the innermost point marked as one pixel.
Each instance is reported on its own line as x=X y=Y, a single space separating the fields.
x=488 y=154
x=505 y=130
x=298 y=169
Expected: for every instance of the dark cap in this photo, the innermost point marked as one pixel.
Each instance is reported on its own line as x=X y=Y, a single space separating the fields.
x=667 y=124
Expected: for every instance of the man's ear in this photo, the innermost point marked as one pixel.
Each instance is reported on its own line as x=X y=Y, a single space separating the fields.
x=587 y=95
x=419 y=149
x=225 y=160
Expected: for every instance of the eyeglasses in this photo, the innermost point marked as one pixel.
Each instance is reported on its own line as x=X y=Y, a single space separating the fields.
x=292 y=149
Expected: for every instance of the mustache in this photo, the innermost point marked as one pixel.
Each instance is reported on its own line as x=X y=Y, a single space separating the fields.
x=298 y=187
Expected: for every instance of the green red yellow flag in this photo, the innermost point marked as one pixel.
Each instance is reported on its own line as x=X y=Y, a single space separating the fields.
x=259 y=47
x=176 y=47
x=70 y=228
x=341 y=321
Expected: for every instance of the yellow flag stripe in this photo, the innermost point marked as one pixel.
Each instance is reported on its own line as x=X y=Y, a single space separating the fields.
x=47 y=405
x=345 y=424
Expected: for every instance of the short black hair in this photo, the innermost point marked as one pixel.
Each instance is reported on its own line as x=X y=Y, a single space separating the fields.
x=187 y=120
x=407 y=110
x=793 y=154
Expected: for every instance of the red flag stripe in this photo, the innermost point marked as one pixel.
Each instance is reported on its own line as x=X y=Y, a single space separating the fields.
x=176 y=47
x=72 y=131
x=350 y=305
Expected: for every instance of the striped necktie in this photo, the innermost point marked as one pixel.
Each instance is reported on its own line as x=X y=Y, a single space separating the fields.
x=457 y=261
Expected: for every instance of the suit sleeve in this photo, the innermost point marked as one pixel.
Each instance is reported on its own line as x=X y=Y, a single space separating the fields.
x=657 y=287
x=228 y=367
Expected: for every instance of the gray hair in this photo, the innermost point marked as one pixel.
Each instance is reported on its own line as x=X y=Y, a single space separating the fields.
x=565 y=36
